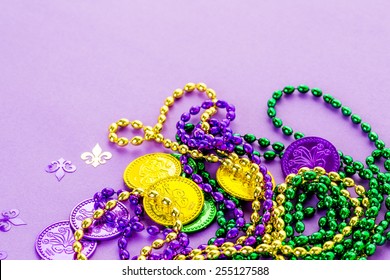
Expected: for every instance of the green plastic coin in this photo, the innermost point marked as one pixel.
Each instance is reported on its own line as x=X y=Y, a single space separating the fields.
x=205 y=218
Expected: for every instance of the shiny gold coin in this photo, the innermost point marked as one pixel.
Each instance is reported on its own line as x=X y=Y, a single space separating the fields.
x=236 y=183
x=183 y=194
x=148 y=169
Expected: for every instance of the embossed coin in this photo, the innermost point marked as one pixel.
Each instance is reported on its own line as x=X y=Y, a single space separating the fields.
x=148 y=169
x=184 y=194
x=205 y=218
x=310 y=152
x=56 y=243
x=235 y=183
x=101 y=229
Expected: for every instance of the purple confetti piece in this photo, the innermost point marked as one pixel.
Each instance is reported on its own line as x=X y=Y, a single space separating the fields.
x=60 y=167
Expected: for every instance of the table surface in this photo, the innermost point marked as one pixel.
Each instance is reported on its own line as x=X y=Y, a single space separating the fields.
x=70 y=68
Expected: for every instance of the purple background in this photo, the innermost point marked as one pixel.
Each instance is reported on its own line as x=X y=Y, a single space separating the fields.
x=70 y=68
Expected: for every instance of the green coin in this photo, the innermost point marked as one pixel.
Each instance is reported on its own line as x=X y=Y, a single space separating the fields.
x=205 y=217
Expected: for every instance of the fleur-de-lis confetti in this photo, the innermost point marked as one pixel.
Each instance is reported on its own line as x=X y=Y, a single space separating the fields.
x=9 y=219
x=3 y=255
x=60 y=167
x=97 y=157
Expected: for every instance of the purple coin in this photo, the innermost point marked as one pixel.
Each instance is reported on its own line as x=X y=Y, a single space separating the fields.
x=310 y=152
x=101 y=229
x=55 y=242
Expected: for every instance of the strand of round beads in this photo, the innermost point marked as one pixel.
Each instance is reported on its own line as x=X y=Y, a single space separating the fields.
x=109 y=206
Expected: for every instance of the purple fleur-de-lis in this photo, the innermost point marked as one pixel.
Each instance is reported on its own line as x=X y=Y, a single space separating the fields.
x=9 y=219
x=60 y=167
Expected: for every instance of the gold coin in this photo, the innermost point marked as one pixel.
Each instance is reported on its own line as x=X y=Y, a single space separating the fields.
x=235 y=183
x=184 y=194
x=148 y=169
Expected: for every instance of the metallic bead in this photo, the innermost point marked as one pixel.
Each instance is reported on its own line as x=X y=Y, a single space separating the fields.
x=141 y=258
x=201 y=87
x=355 y=201
x=113 y=128
x=98 y=214
x=276 y=244
x=281 y=210
x=189 y=87
x=157 y=128
x=348 y=182
x=164 y=110
x=276 y=212
x=178 y=93
x=195 y=252
x=167 y=143
x=137 y=140
x=279 y=224
x=81 y=257
x=345 y=193
x=282 y=188
x=286 y=250
x=255 y=217
x=267 y=239
x=198 y=258
x=280 y=199
x=279 y=258
x=360 y=190
x=171 y=236
x=159 y=138
x=289 y=178
x=359 y=211
x=86 y=223
x=210 y=248
x=177 y=226
x=300 y=252
x=205 y=126
x=123 y=141
x=338 y=238
x=213 y=254
x=241 y=240
x=366 y=202
x=145 y=251
x=303 y=170
x=111 y=204
x=268 y=228
x=227 y=245
x=113 y=137
x=319 y=170
x=315 y=251
x=282 y=235
x=246 y=250
x=256 y=205
x=78 y=234
x=211 y=93
x=137 y=124
x=158 y=243
x=262 y=248
x=334 y=176
x=229 y=251
x=328 y=245
x=257 y=193
x=175 y=146
x=123 y=196
x=169 y=101
x=251 y=228
x=175 y=212
x=123 y=122
x=77 y=246
x=161 y=118
x=353 y=221
x=180 y=257
x=183 y=149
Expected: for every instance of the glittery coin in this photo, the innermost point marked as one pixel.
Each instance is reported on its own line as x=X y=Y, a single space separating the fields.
x=205 y=218
x=310 y=152
x=184 y=194
x=148 y=169
x=236 y=183
x=101 y=229
x=56 y=243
